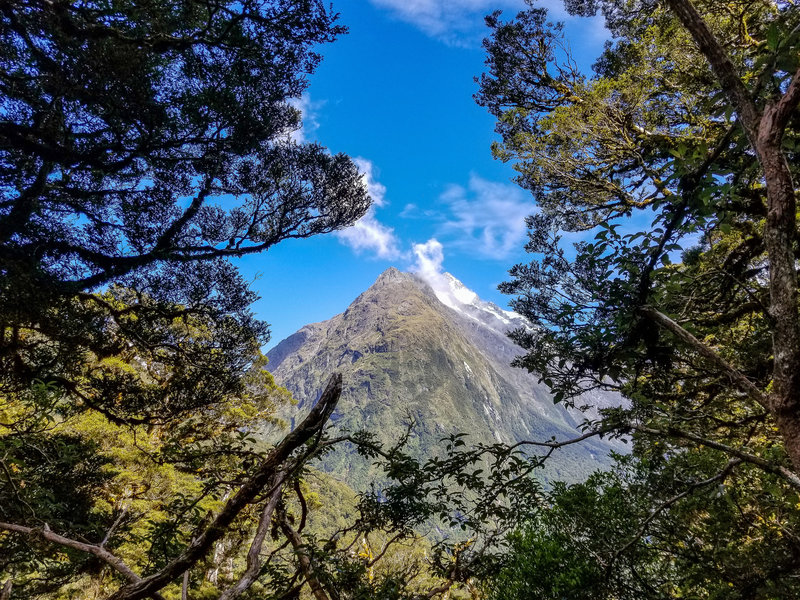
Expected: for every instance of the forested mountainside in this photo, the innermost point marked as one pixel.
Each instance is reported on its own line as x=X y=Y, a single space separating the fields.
x=405 y=354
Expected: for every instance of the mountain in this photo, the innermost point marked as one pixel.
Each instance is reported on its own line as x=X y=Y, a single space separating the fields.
x=437 y=355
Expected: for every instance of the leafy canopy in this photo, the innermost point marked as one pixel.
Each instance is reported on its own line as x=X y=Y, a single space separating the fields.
x=142 y=145
x=674 y=163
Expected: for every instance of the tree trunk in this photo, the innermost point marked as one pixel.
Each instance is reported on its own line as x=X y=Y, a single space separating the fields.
x=765 y=130
x=779 y=237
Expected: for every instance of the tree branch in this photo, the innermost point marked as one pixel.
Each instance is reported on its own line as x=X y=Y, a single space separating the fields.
x=271 y=473
x=254 y=554
x=123 y=513
x=555 y=444
x=720 y=63
x=5 y=593
x=736 y=377
x=371 y=563
x=780 y=112
x=166 y=238
x=789 y=476
x=302 y=556
x=107 y=557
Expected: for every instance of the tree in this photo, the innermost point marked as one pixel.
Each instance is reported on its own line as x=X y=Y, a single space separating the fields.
x=142 y=146
x=676 y=163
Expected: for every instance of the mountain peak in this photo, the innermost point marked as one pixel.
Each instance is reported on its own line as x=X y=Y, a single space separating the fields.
x=451 y=292
x=426 y=346
x=395 y=278
x=390 y=273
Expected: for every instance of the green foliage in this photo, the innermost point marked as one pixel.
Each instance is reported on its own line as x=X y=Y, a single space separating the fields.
x=479 y=492
x=648 y=530
x=647 y=156
x=667 y=299
x=141 y=145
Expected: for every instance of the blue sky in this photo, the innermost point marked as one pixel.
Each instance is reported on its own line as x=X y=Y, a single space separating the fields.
x=396 y=95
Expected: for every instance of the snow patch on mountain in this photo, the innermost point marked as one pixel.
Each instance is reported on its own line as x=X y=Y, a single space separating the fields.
x=454 y=294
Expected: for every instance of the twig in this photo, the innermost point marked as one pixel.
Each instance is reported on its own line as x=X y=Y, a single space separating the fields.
x=113 y=527
x=386 y=546
x=554 y=445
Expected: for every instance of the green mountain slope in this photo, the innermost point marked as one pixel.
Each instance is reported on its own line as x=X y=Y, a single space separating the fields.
x=406 y=355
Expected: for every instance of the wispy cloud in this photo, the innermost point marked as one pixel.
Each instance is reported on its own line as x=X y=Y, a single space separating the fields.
x=309 y=110
x=460 y=22
x=414 y=211
x=376 y=189
x=456 y=23
x=486 y=217
x=368 y=234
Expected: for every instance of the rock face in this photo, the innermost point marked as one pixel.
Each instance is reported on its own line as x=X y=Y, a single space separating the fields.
x=438 y=358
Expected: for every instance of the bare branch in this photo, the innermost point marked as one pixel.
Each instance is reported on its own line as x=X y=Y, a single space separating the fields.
x=303 y=505
x=185 y=586
x=302 y=556
x=46 y=534
x=555 y=444
x=271 y=474
x=254 y=554
x=167 y=238
x=442 y=589
x=386 y=547
x=114 y=526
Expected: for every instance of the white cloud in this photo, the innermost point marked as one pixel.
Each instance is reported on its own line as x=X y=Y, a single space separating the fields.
x=454 y=22
x=428 y=266
x=370 y=235
x=309 y=110
x=409 y=211
x=460 y=22
x=376 y=189
x=414 y=211
x=487 y=217
x=429 y=259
